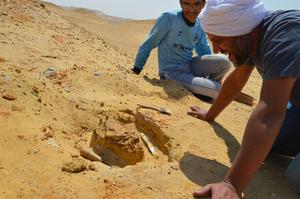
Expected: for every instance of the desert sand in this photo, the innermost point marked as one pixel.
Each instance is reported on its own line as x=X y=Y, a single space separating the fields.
x=65 y=76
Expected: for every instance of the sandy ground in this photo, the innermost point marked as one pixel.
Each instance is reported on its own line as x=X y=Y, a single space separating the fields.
x=65 y=76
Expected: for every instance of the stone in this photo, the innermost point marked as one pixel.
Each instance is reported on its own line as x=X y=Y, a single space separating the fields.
x=9 y=97
x=74 y=166
x=49 y=72
x=17 y=108
x=97 y=74
x=17 y=70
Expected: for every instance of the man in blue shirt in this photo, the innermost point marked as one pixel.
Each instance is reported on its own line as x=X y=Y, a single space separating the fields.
x=177 y=34
x=270 y=41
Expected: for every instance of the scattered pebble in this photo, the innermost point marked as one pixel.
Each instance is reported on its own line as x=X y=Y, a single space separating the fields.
x=98 y=74
x=52 y=142
x=74 y=166
x=9 y=97
x=47 y=135
x=174 y=167
x=67 y=89
x=17 y=108
x=75 y=154
x=35 y=91
x=17 y=70
x=92 y=167
x=6 y=78
x=49 y=72
x=21 y=137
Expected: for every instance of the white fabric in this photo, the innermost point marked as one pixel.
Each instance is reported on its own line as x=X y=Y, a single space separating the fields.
x=231 y=17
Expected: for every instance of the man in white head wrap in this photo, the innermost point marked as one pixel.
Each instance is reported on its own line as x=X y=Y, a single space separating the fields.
x=270 y=41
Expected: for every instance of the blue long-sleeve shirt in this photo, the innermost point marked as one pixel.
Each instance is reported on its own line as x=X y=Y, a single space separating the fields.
x=175 y=40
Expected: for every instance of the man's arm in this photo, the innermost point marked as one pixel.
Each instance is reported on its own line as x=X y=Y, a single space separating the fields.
x=231 y=87
x=203 y=47
x=260 y=134
x=158 y=32
x=261 y=130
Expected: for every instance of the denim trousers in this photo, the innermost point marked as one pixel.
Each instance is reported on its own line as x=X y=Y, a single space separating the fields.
x=203 y=75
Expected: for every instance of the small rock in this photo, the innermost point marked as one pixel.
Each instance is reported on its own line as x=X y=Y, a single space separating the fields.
x=36 y=150
x=74 y=166
x=49 y=72
x=92 y=167
x=67 y=89
x=16 y=108
x=17 y=70
x=51 y=69
x=29 y=152
x=6 y=78
x=53 y=143
x=21 y=137
x=150 y=188
x=9 y=97
x=75 y=154
x=97 y=74
x=174 y=167
x=35 y=91
x=47 y=135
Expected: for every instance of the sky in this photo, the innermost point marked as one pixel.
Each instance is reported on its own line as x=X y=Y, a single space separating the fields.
x=151 y=9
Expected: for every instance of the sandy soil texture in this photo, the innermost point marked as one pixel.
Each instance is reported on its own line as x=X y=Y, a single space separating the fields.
x=65 y=78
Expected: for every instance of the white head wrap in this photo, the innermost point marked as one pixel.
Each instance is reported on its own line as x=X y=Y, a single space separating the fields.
x=231 y=17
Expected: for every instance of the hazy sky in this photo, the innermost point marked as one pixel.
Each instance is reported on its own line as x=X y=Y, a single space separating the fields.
x=150 y=9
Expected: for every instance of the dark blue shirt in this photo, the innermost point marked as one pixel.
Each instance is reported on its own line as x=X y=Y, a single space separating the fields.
x=278 y=53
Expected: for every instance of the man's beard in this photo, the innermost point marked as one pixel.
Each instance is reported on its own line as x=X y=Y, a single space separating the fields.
x=242 y=60
x=244 y=48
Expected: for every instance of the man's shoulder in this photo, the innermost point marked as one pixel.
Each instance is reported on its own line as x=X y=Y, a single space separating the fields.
x=170 y=14
x=276 y=19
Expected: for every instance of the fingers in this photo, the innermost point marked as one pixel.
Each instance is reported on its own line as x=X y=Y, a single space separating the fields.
x=195 y=111
x=204 y=192
x=194 y=108
x=191 y=113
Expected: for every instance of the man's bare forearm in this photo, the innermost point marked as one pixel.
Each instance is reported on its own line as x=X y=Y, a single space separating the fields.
x=261 y=131
x=232 y=86
x=260 y=134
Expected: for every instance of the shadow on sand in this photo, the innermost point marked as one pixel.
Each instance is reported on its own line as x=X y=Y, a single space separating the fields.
x=268 y=182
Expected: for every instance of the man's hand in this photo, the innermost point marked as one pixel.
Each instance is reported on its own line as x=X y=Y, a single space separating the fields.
x=221 y=190
x=136 y=70
x=199 y=113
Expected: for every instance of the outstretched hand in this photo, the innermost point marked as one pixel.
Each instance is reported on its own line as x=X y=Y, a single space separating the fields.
x=198 y=113
x=222 y=190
